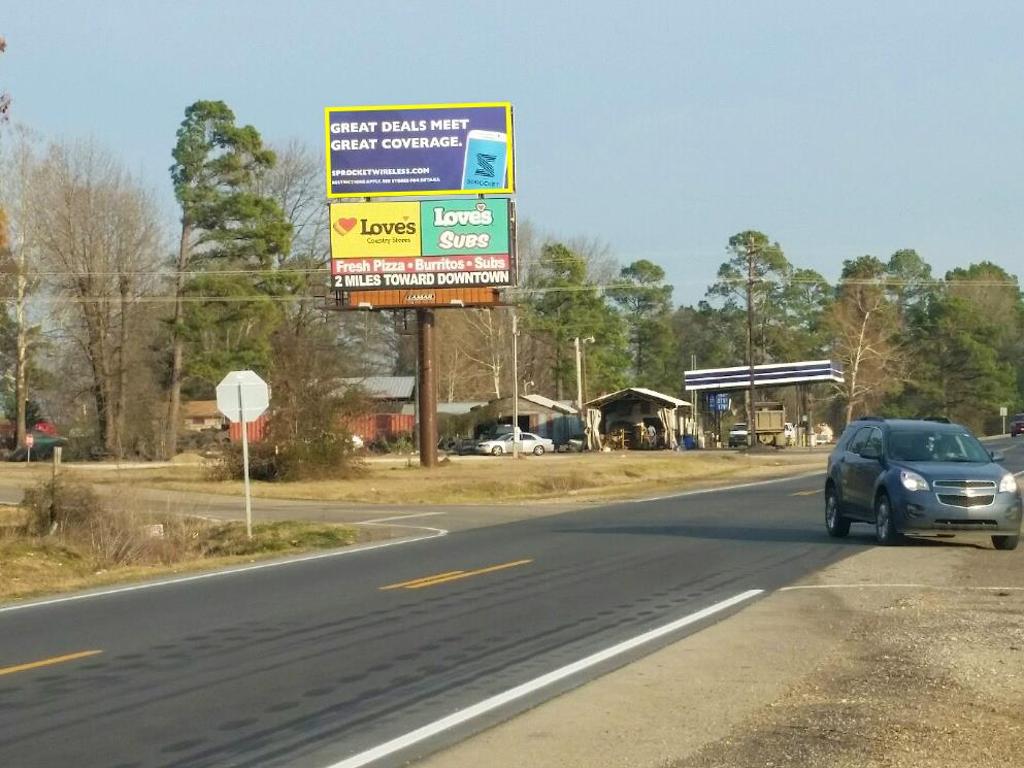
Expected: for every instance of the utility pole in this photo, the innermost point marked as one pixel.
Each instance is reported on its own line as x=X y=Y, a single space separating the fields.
x=751 y=427
x=579 y=376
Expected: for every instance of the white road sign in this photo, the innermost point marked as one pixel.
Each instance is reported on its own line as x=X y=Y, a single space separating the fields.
x=242 y=396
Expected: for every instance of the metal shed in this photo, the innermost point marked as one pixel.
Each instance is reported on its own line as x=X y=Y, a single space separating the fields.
x=639 y=418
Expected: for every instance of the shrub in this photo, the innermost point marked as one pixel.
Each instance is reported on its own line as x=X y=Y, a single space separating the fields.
x=60 y=505
x=114 y=532
x=327 y=454
x=402 y=443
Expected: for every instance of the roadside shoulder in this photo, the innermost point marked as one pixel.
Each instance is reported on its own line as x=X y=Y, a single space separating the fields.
x=805 y=676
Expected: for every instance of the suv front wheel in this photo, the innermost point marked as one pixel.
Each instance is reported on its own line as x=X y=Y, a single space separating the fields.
x=885 y=526
x=836 y=525
x=1006 y=543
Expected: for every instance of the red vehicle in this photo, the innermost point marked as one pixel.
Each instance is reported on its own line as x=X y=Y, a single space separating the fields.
x=1017 y=425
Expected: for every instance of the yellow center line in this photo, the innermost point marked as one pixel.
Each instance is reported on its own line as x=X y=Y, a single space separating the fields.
x=444 y=578
x=815 y=492
x=406 y=584
x=46 y=662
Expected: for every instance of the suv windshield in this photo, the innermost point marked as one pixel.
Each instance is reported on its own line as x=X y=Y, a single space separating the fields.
x=923 y=444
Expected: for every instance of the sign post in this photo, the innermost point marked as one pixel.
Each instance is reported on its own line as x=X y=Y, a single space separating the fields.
x=30 y=440
x=1003 y=410
x=242 y=396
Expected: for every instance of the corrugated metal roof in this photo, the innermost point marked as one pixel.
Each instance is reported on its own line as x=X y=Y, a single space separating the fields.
x=200 y=409
x=675 y=402
x=458 y=408
x=547 y=402
x=384 y=387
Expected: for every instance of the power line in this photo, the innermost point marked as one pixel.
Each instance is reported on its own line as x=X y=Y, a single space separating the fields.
x=882 y=282
x=515 y=292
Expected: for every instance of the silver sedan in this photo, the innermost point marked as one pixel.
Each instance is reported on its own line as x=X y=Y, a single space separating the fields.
x=527 y=443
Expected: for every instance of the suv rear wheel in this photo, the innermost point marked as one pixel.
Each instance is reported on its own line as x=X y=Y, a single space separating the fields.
x=836 y=525
x=885 y=526
x=1005 y=542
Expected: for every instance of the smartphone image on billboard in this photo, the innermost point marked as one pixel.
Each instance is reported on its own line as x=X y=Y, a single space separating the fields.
x=486 y=157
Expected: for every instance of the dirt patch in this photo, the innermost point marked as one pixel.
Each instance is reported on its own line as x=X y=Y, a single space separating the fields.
x=929 y=678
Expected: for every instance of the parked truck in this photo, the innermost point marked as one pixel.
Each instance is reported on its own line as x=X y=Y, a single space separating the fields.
x=770 y=423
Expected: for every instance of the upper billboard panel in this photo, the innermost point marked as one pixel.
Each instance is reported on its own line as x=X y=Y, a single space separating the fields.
x=424 y=149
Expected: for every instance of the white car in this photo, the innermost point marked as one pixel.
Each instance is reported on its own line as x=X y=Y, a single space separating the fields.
x=738 y=435
x=528 y=443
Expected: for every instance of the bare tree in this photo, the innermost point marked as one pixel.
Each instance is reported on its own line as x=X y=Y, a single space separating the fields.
x=15 y=172
x=5 y=98
x=862 y=322
x=296 y=183
x=96 y=231
x=490 y=344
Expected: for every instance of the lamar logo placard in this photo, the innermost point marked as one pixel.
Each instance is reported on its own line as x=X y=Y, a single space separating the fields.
x=421 y=297
x=368 y=230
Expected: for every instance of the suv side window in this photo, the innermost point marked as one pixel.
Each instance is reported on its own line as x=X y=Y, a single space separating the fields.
x=858 y=440
x=874 y=441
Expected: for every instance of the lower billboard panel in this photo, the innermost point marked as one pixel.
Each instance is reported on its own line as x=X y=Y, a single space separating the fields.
x=425 y=297
x=421 y=264
x=399 y=280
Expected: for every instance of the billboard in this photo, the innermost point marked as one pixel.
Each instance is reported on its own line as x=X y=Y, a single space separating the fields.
x=428 y=244
x=422 y=149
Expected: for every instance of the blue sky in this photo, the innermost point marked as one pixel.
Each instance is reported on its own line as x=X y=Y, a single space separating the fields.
x=662 y=128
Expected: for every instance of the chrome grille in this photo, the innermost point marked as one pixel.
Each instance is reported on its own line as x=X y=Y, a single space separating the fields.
x=965 y=484
x=965 y=501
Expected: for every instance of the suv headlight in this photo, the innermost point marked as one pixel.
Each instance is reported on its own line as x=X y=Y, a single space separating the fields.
x=912 y=481
x=1008 y=484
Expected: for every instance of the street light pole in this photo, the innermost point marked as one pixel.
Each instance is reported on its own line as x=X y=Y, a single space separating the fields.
x=515 y=384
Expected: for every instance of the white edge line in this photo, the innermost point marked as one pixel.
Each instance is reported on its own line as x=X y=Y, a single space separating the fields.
x=721 y=488
x=376 y=520
x=900 y=586
x=499 y=700
x=436 y=532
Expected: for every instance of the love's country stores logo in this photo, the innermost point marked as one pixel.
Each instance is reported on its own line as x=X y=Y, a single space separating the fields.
x=360 y=230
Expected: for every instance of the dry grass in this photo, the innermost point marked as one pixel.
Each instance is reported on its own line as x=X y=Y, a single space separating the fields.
x=70 y=538
x=33 y=568
x=494 y=480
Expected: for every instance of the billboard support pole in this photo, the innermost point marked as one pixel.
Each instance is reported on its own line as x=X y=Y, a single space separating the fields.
x=426 y=393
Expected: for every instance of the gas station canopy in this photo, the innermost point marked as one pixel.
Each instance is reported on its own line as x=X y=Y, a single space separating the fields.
x=770 y=375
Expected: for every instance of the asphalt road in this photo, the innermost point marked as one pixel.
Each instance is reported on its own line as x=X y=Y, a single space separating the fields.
x=319 y=662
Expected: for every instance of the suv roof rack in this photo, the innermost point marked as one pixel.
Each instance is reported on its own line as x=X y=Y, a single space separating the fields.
x=937 y=419
x=869 y=418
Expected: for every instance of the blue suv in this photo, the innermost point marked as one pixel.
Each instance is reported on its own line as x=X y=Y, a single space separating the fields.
x=927 y=476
